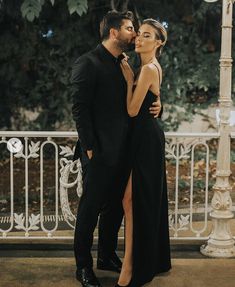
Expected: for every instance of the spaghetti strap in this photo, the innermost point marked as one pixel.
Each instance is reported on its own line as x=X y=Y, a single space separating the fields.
x=158 y=73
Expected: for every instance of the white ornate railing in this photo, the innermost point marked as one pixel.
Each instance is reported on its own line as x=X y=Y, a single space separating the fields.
x=46 y=208
x=182 y=146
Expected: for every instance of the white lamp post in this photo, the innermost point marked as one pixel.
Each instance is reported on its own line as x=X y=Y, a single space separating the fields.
x=221 y=242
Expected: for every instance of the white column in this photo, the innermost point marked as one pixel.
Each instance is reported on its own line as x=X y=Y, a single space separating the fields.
x=221 y=242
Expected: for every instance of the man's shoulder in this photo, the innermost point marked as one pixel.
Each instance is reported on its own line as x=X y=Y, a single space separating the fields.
x=89 y=56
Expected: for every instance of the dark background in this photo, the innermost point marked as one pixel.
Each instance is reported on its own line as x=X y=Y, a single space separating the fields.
x=36 y=54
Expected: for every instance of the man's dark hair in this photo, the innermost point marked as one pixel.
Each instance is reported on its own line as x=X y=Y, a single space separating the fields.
x=113 y=19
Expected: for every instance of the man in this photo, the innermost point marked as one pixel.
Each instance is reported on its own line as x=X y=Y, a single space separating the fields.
x=99 y=110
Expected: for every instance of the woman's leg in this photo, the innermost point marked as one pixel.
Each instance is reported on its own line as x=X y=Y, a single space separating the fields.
x=126 y=272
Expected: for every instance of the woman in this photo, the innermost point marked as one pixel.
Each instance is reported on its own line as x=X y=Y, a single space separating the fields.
x=147 y=249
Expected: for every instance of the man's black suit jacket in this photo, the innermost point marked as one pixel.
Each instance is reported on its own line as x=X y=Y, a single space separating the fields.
x=99 y=105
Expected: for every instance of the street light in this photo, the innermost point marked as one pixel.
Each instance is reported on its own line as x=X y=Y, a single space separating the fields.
x=221 y=242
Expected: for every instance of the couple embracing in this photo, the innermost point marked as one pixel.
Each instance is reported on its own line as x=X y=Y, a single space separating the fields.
x=122 y=150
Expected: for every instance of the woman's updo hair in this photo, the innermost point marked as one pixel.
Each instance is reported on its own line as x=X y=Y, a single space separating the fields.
x=161 y=33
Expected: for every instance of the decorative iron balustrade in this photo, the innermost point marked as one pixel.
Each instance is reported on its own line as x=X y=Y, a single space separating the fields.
x=38 y=211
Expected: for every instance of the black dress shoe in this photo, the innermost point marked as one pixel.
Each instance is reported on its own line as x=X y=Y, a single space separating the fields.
x=87 y=277
x=111 y=264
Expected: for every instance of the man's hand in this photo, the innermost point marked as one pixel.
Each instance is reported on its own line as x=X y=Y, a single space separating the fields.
x=89 y=153
x=155 y=108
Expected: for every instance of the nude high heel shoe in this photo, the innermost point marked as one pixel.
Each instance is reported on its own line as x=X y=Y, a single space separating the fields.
x=128 y=285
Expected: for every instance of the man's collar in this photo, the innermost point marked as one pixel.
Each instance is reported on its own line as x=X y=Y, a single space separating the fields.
x=108 y=55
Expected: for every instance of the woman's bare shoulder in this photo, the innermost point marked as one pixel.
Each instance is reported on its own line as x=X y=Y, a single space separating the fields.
x=148 y=69
x=156 y=68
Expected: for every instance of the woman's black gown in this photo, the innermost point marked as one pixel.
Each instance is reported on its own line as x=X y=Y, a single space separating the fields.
x=151 y=247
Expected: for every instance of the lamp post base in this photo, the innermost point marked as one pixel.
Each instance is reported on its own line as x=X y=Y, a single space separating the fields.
x=226 y=250
x=221 y=243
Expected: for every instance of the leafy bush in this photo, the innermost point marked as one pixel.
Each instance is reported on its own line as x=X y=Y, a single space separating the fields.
x=36 y=57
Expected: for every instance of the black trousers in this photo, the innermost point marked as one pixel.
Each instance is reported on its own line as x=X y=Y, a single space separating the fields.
x=103 y=190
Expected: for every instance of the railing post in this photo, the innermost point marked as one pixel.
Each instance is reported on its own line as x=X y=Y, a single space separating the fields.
x=221 y=242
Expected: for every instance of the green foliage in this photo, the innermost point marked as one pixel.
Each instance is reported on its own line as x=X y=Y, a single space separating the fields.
x=35 y=71
x=31 y=9
x=78 y=6
x=200 y=184
x=183 y=184
x=36 y=57
x=232 y=156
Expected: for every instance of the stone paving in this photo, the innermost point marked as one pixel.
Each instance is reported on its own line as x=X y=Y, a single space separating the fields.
x=59 y=272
